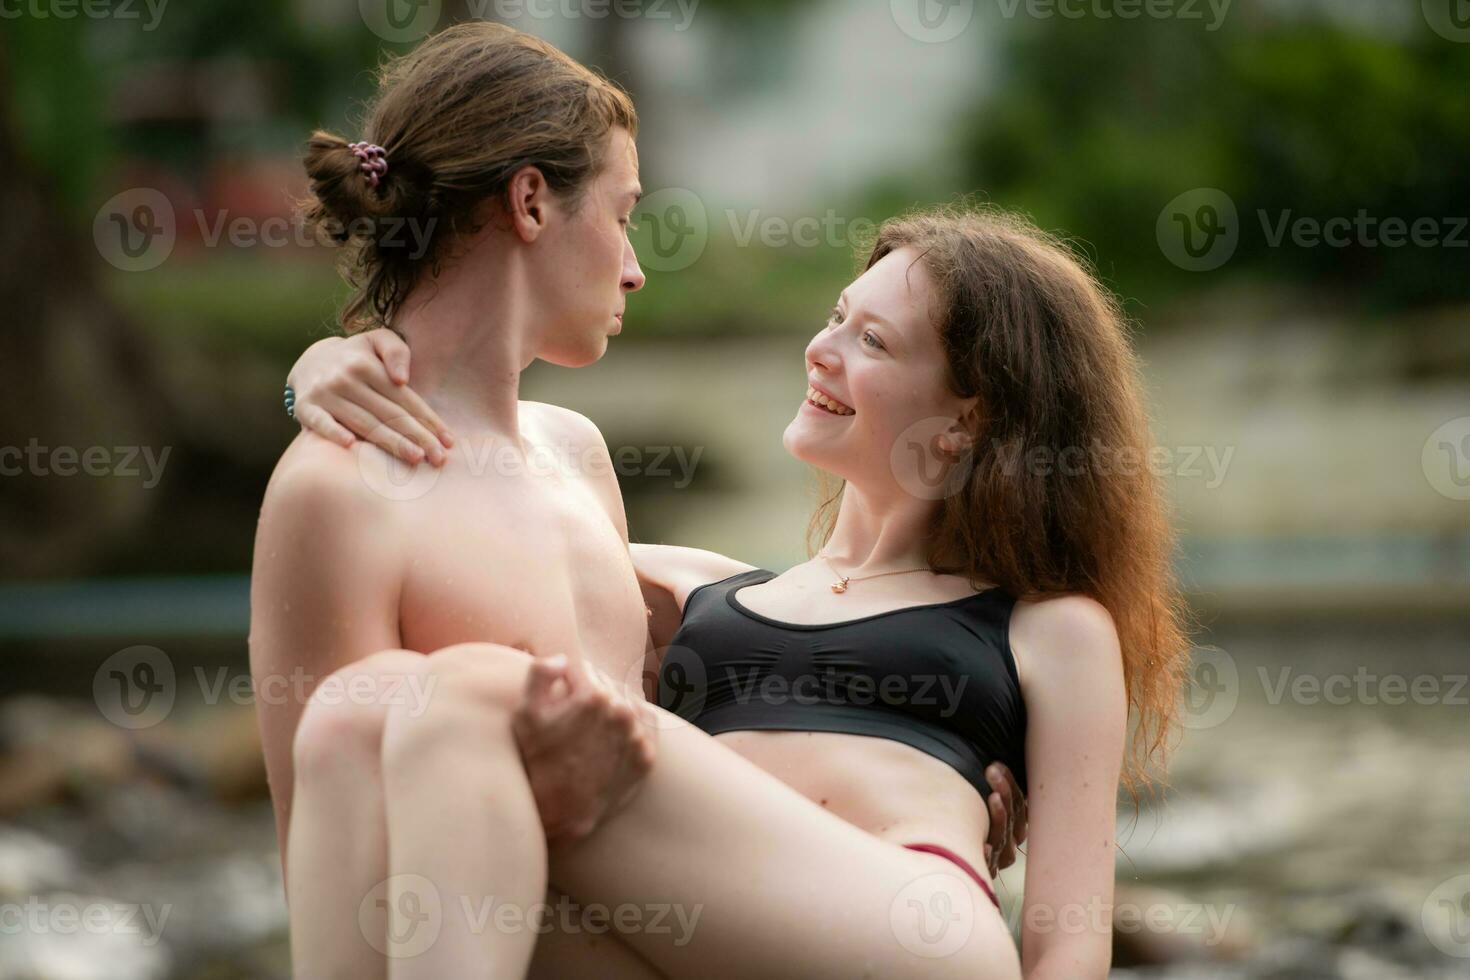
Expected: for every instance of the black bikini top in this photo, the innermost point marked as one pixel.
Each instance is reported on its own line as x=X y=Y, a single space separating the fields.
x=939 y=677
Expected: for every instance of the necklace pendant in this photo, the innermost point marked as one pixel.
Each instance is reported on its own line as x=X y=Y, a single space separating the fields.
x=839 y=587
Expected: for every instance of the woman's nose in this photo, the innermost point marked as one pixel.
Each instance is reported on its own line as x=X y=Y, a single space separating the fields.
x=820 y=352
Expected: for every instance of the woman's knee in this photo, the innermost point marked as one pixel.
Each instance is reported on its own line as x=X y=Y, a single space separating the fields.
x=343 y=722
x=474 y=688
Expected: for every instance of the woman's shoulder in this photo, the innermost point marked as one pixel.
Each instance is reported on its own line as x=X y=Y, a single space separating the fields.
x=1067 y=632
x=679 y=571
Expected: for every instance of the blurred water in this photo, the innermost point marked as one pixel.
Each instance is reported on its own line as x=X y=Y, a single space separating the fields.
x=1318 y=828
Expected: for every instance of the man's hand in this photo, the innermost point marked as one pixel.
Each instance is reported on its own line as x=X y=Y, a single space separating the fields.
x=585 y=746
x=1007 y=817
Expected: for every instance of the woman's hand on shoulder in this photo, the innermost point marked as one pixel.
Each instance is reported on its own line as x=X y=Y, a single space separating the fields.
x=357 y=387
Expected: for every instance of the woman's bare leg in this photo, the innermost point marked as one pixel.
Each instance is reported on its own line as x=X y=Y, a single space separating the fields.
x=338 y=851
x=714 y=869
x=467 y=852
x=579 y=946
x=338 y=838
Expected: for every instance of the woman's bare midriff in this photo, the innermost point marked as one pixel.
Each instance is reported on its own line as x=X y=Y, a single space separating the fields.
x=889 y=789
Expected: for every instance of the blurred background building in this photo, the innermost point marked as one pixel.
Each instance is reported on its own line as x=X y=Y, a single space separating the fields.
x=1275 y=188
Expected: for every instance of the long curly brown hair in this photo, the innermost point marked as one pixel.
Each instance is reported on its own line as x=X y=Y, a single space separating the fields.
x=1058 y=497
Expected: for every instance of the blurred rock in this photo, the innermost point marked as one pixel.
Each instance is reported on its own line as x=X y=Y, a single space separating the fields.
x=1154 y=927
x=51 y=747
x=30 y=863
x=215 y=751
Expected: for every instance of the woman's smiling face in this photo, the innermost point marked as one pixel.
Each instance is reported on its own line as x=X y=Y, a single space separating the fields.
x=881 y=360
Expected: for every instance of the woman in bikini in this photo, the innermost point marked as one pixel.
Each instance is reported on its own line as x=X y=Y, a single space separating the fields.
x=993 y=586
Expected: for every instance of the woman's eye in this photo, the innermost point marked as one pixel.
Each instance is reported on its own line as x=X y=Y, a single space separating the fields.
x=871 y=339
x=834 y=318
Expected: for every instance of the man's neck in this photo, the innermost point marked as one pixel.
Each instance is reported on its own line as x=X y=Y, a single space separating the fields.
x=470 y=338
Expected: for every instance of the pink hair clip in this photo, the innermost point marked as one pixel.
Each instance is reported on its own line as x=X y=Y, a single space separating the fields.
x=374 y=161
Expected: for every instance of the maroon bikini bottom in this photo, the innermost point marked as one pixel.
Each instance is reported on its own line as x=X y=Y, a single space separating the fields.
x=964 y=865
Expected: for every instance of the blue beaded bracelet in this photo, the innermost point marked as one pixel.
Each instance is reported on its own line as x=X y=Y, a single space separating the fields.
x=290 y=402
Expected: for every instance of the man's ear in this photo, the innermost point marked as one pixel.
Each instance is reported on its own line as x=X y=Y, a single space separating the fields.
x=527 y=198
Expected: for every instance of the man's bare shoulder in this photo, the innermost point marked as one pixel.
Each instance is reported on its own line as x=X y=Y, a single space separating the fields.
x=566 y=424
x=578 y=443
x=326 y=478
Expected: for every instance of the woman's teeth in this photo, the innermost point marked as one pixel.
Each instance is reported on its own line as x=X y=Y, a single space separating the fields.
x=822 y=401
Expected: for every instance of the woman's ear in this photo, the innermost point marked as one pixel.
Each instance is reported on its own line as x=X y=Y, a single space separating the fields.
x=526 y=200
x=959 y=438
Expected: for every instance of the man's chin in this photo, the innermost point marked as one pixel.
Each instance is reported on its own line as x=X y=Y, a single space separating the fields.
x=581 y=356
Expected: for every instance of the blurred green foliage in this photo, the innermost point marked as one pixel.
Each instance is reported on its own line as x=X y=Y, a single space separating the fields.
x=1092 y=126
x=1098 y=124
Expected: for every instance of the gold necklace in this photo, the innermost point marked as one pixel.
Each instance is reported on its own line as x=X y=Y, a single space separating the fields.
x=840 y=586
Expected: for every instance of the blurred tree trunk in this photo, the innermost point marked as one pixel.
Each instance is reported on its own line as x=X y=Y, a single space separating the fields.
x=75 y=375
